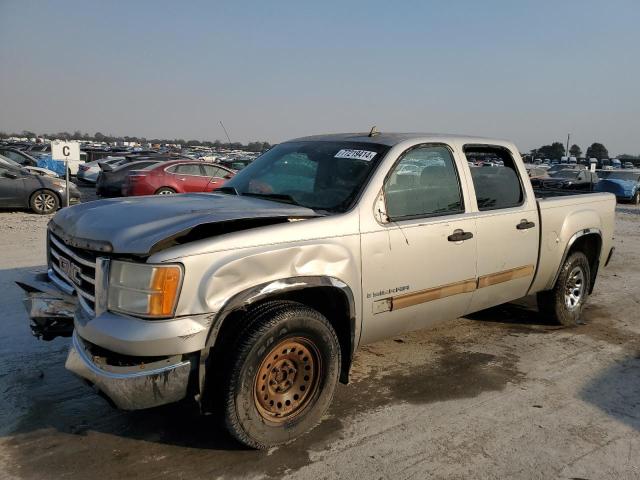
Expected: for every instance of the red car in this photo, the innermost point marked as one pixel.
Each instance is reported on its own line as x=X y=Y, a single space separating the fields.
x=176 y=176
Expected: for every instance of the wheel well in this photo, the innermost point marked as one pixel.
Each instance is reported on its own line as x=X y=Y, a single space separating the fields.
x=329 y=301
x=590 y=245
x=165 y=188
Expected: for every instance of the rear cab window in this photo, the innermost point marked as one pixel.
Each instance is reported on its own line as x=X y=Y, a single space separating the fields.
x=497 y=182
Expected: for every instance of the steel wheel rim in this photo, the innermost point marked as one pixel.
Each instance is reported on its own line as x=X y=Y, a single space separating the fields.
x=287 y=379
x=574 y=289
x=44 y=202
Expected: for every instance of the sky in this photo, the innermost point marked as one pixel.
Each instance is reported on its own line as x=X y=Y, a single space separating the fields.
x=528 y=71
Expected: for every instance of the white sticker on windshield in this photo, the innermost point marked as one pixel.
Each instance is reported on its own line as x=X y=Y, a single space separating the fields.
x=356 y=154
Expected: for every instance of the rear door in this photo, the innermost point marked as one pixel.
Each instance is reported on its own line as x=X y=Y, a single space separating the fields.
x=507 y=230
x=190 y=177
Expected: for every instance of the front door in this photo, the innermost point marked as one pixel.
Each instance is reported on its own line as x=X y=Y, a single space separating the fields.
x=10 y=183
x=190 y=178
x=419 y=266
x=217 y=176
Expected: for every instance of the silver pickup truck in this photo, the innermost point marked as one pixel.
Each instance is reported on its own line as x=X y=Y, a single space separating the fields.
x=252 y=301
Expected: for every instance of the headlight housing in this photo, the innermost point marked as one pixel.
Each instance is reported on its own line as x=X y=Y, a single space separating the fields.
x=144 y=290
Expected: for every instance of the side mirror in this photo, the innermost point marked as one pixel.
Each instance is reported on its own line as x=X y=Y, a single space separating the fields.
x=11 y=175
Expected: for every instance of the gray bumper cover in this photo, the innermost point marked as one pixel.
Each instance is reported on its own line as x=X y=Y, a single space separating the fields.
x=132 y=387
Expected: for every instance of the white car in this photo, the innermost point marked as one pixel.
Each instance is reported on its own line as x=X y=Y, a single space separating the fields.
x=88 y=172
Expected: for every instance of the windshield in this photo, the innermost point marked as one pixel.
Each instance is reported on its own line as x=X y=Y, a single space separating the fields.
x=316 y=174
x=13 y=164
x=565 y=174
x=620 y=176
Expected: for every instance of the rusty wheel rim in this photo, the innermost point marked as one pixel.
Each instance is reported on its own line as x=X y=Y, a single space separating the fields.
x=287 y=379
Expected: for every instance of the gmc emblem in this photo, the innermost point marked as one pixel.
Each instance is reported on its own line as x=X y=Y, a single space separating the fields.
x=71 y=270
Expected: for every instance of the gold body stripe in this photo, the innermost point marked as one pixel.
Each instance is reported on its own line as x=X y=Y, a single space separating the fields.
x=465 y=286
x=431 y=294
x=505 y=276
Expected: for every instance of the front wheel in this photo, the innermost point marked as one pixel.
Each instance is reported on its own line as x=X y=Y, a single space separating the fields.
x=281 y=375
x=44 y=202
x=564 y=304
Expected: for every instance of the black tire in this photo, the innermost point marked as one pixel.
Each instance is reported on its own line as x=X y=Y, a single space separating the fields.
x=563 y=305
x=636 y=198
x=44 y=202
x=165 y=191
x=254 y=419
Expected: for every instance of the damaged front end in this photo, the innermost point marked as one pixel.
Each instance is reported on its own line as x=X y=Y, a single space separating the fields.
x=50 y=305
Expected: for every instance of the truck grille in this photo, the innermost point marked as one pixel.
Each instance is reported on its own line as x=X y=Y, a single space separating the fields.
x=76 y=267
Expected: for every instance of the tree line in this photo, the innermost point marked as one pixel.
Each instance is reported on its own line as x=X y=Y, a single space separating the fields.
x=557 y=150
x=100 y=137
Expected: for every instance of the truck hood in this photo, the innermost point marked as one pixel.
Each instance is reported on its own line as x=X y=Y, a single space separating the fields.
x=142 y=225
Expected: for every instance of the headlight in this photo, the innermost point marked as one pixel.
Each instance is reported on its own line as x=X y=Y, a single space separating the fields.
x=144 y=290
x=59 y=183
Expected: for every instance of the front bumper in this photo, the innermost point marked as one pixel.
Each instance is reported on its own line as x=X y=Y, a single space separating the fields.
x=135 y=386
x=128 y=380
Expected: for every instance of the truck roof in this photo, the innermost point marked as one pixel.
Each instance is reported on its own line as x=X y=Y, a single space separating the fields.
x=393 y=138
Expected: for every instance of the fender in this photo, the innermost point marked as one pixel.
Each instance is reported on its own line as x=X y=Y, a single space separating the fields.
x=572 y=240
x=271 y=289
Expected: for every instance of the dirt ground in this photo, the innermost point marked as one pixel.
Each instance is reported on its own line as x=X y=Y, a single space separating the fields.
x=500 y=394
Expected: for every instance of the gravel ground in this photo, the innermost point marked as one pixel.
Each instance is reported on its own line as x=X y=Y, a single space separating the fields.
x=500 y=394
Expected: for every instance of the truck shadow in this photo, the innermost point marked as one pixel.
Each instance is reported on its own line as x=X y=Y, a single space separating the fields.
x=521 y=315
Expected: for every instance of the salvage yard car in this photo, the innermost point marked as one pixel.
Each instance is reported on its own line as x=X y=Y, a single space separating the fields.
x=252 y=300
x=625 y=185
x=179 y=176
x=42 y=194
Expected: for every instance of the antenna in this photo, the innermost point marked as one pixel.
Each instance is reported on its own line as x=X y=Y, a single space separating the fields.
x=374 y=131
x=225 y=132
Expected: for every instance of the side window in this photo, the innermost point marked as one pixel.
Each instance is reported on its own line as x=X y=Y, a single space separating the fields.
x=188 y=169
x=423 y=183
x=211 y=171
x=497 y=186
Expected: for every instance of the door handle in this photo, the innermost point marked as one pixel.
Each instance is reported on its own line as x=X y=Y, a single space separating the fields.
x=459 y=236
x=525 y=224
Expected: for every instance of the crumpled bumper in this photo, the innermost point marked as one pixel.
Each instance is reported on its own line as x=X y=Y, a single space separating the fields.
x=51 y=310
x=135 y=386
x=129 y=382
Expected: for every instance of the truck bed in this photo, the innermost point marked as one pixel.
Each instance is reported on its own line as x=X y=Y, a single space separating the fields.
x=542 y=193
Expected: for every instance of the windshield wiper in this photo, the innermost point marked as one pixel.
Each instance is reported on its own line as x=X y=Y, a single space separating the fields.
x=278 y=197
x=231 y=190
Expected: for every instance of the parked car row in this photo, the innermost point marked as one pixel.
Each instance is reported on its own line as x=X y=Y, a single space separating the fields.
x=624 y=184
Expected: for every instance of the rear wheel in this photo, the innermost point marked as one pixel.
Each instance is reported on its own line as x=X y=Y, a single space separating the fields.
x=281 y=374
x=44 y=202
x=165 y=191
x=565 y=302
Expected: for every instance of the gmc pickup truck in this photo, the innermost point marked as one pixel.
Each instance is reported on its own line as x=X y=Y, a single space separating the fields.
x=253 y=300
